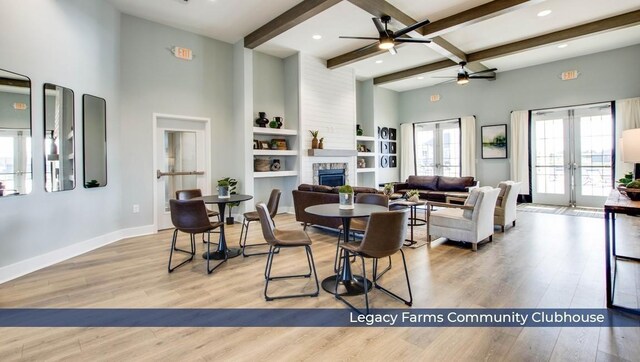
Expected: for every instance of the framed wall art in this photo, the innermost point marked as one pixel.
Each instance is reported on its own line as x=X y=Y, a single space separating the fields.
x=494 y=141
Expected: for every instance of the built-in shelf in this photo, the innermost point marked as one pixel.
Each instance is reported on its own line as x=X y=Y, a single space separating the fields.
x=366 y=154
x=316 y=152
x=275 y=152
x=363 y=170
x=274 y=174
x=365 y=138
x=275 y=131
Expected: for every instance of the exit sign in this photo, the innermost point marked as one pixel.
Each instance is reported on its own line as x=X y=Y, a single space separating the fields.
x=569 y=75
x=20 y=106
x=182 y=53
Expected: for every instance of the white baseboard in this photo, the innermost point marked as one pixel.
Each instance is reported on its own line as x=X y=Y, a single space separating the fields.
x=30 y=265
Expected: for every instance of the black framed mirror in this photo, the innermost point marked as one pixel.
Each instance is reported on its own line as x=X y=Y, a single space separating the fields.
x=59 y=137
x=15 y=134
x=94 y=140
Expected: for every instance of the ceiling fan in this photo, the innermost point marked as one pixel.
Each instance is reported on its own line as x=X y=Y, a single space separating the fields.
x=464 y=76
x=387 y=39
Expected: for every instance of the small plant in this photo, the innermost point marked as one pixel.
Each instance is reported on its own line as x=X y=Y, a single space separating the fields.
x=314 y=133
x=412 y=193
x=388 y=189
x=223 y=183
x=634 y=184
x=92 y=183
x=231 y=183
x=345 y=189
x=628 y=177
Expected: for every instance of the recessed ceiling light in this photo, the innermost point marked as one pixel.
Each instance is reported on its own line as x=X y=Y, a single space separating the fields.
x=420 y=78
x=378 y=61
x=317 y=37
x=563 y=46
x=544 y=13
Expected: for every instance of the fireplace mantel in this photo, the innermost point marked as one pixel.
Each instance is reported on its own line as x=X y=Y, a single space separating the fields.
x=316 y=152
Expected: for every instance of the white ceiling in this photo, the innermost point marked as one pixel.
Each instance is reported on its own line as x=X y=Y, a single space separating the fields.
x=231 y=20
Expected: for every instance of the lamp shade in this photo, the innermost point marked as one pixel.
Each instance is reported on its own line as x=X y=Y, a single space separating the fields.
x=631 y=145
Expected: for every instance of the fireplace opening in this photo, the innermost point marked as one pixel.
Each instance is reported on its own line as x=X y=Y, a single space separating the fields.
x=334 y=177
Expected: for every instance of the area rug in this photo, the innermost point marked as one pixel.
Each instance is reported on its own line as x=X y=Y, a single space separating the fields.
x=563 y=210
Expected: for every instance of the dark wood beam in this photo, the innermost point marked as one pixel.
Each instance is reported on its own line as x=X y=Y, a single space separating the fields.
x=407 y=73
x=287 y=20
x=378 y=8
x=437 y=28
x=608 y=24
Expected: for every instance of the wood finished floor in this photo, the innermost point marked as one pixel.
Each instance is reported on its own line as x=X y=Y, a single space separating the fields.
x=546 y=261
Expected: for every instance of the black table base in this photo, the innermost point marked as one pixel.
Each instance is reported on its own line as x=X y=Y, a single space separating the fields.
x=219 y=255
x=354 y=286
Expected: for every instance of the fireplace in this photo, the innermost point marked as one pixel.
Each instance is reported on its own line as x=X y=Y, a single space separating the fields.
x=335 y=177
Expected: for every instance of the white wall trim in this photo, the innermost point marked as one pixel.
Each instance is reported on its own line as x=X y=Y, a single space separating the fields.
x=30 y=265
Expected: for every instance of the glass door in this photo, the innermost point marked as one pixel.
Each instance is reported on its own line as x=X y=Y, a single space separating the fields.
x=437 y=146
x=572 y=150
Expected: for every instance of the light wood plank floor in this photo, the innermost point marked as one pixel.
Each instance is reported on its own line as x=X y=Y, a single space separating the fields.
x=546 y=261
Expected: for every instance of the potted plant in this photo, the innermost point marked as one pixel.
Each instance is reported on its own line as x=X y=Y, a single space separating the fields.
x=346 y=197
x=223 y=189
x=628 y=177
x=633 y=190
x=232 y=183
x=412 y=195
x=388 y=189
x=314 y=141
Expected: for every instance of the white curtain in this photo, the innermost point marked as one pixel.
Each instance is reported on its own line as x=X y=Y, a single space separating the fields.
x=468 y=147
x=407 y=160
x=627 y=117
x=519 y=143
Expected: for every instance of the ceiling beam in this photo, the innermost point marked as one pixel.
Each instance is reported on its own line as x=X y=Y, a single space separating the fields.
x=608 y=24
x=378 y=8
x=287 y=20
x=437 y=28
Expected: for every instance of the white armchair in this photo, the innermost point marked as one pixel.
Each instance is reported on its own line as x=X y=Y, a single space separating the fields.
x=506 y=204
x=471 y=222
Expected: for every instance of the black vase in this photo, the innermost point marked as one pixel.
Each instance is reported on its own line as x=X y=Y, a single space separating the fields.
x=262 y=120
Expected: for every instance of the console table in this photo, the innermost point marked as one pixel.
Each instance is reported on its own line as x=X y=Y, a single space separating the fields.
x=616 y=204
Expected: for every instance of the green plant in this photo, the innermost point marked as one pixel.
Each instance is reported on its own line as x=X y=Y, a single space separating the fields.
x=634 y=184
x=412 y=193
x=314 y=133
x=388 y=188
x=231 y=183
x=92 y=183
x=345 y=189
x=223 y=182
x=628 y=177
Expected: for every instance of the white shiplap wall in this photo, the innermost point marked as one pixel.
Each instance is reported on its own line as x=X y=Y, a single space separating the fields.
x=327 y=104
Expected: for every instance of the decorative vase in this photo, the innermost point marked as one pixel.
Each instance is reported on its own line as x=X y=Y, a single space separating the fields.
x=414 y=198
x=321 y=144
x=346 y=201
x=223 y=192
x=262 y=120
x=359 y=131
x=314 y=143
x=275 y=165
x=276 y=123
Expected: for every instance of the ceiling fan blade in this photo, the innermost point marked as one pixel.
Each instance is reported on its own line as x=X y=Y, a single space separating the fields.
x=358 y=37
x=481 y=77
x=484 y=71
x=410 y=28
x=412 y=40
x=379 y=26
x=393 y=51
x=445 y=77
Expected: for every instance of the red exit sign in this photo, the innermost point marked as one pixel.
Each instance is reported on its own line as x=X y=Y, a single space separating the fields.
x=182 y=53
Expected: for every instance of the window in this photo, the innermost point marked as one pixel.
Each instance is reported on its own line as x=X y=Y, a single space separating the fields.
x=437 y=148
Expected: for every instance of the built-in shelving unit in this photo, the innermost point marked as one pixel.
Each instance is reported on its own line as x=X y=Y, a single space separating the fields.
x=366 y=174
x=288 y=158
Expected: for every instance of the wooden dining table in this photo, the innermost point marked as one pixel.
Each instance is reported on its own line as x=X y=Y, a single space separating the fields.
x=348 y=283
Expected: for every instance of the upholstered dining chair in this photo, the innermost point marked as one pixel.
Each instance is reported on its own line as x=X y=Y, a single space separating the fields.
x=506 y=204
x=278 y=239
x=359 y=224
x=272 y=206
x=471 y=222
x=191 y=194
x=190 y=216
x=384 y=236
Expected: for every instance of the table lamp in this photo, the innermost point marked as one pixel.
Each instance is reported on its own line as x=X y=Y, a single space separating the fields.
x=631 y=149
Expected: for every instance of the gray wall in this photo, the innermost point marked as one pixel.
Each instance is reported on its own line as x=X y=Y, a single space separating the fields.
x=41 y=222
x=603 y=76
x=386 y=107
x=268 y=85
x=153 y=80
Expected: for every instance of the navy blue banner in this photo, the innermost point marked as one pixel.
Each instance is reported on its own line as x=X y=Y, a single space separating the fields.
x=167 y=317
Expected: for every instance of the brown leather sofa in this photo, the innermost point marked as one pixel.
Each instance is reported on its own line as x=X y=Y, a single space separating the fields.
x=436 y=188
x=308 y=195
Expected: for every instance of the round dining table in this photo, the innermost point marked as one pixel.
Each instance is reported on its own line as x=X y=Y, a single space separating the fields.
x=348 y=283
x=223 y=251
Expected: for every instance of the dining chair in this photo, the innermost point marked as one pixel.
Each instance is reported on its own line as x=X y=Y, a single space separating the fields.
x=192 y=194
x=190 y=216
x=383 y=237
x=278 y=239
x=272 y=206
x=359 y=224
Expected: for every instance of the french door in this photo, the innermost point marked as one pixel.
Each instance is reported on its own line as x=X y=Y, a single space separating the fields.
x=572 y=149
x=437 y=147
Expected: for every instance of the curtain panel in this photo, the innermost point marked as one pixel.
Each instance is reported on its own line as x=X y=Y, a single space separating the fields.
x=627 y=117
x=468 y=146
x=407 y=156
x=519 y=143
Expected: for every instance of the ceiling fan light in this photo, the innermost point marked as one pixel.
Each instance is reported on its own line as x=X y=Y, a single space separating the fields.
x=462 y=79
x=386 y=44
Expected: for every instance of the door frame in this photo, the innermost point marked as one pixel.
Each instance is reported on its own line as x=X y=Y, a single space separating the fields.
x=207 y=153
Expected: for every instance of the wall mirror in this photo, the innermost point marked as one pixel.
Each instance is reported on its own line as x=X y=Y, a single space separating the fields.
x=15 y=134
x=94 y=140
x=59 y=138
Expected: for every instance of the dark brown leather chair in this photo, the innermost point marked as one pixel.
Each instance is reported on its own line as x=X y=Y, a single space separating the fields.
x=278 y=239
x=272 y=205
x=192 y=194
x=383 y=237
x=190 y=216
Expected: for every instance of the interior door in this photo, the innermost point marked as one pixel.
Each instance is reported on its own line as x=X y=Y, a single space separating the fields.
x=181 y=164
x=551 y=182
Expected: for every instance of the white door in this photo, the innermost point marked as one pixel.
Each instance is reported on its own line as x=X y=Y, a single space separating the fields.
x=572 y=155
x=438 y=148
x=181 y=162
